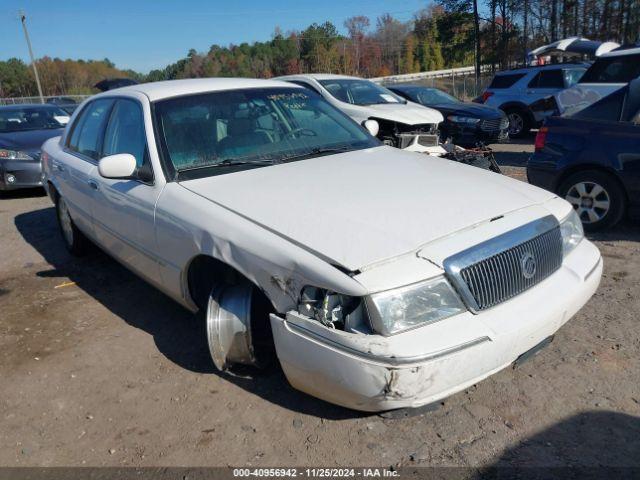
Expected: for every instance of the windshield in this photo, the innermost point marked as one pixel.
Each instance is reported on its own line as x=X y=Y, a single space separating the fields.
x=218 y=132
x=430 y=96
x=20 y=119
x=360 y=92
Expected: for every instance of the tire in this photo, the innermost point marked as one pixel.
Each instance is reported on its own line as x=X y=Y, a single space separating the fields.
x=596 y=196
x=74 y=239
x=519 y=122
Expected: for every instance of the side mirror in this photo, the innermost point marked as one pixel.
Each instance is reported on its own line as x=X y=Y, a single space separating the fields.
x=121 y=165
x=372 y=127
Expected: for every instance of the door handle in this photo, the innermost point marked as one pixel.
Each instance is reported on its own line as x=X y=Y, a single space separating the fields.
x=93 y=184
x=58 y=167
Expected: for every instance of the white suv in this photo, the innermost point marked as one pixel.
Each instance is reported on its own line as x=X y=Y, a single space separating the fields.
x=383 y=278
x=514 y=91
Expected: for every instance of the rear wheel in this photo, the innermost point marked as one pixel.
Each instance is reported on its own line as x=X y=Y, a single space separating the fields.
x=519 y=123
x=596 y=197
x=74 y=239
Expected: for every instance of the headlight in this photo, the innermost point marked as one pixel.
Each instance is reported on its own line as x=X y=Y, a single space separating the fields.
x=460 y=119
x=414 y=305
x=572 y=232
x=14 y=155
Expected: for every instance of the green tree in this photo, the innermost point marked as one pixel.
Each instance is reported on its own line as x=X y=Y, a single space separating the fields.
x=430 y=52
x=317 y=47
x=16 y=79
x=409 y=62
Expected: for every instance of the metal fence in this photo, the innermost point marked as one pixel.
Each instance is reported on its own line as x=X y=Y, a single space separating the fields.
x=459 y=82
x=49 y=99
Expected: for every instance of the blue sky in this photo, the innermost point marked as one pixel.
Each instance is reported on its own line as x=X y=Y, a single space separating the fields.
x=147 y=34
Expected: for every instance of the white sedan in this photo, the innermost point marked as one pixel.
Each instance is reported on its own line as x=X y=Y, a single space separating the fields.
x=383 y=278
x=400 y=123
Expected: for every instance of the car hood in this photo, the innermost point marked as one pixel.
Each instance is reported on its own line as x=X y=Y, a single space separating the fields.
x=29 y=141
x=358 y=208
x=468 y=109
x=408 y=113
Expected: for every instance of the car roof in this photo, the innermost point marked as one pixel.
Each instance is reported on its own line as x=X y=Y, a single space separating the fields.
x=537 y=68
x=175 y=88
x=321 y=76
x=624 y=50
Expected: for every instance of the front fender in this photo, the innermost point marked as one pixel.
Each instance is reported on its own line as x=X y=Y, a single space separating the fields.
x=188 y=225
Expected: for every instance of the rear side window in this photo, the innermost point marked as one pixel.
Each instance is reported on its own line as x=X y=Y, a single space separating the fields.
x=620 y=69
x=572 y=76
x=505 y=81
x=548 y=79
x=88 y=129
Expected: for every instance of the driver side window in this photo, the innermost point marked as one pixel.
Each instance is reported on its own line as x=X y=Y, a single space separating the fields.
x=125 y=132
x=86 y=133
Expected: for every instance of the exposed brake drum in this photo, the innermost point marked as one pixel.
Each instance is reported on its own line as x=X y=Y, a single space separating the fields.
x=228 y=319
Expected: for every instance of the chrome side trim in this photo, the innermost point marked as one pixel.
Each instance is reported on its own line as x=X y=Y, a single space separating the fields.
x=456 y=264
x=381 y=359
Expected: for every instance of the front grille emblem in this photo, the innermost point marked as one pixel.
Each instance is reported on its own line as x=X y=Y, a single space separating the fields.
x=528 y=264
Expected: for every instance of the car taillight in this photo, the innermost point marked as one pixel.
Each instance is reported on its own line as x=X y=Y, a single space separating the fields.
x=485 y=96
x=541 y=138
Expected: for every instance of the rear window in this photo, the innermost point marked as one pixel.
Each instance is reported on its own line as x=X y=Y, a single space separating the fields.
x=608 y=109
x=620 y=69
x=505 y=81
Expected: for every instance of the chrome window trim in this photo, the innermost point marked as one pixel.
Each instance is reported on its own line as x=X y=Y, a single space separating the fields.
x=454 y=264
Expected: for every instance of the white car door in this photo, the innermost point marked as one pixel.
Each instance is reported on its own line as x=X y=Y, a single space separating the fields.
x=123 y=209
x=77 y=162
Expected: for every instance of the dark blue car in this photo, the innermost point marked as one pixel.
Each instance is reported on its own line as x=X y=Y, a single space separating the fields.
x=592 y=158
x=23 y=130
x=466 y=124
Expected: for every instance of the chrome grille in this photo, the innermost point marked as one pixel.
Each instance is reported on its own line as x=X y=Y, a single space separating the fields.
x=494 y=125
x=500 y=269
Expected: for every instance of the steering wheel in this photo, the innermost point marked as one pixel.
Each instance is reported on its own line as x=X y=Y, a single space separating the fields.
x=300 y=132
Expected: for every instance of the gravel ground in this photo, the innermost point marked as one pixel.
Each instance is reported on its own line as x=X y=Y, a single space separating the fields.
x=98 y=368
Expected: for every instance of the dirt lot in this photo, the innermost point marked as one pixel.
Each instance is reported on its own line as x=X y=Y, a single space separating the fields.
x=98 y=368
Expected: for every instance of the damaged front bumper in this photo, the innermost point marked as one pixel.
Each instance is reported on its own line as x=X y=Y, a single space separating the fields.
x=424 y=365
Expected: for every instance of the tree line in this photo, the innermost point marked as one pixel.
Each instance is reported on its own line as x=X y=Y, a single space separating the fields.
x=446 y=34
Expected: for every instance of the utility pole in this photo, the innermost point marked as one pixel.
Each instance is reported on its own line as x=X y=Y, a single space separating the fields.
x=476 y=50
x=23 y=19
x=524 y=29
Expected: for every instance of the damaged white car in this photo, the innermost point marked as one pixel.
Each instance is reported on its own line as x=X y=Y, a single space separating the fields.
x=396 y=121
x=384 y=279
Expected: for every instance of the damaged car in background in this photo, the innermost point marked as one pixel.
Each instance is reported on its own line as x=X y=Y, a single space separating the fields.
x=396 y=121
x=400 y=123
x=383 y=279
